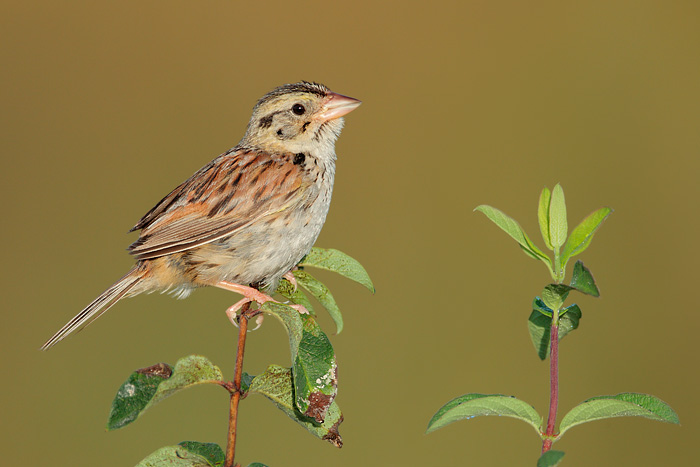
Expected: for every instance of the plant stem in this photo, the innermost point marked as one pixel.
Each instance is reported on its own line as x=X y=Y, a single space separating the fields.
x=554 y=382
x=557 y=267
x=236 y=394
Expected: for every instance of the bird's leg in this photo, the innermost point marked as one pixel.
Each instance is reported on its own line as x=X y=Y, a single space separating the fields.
x=250 y=294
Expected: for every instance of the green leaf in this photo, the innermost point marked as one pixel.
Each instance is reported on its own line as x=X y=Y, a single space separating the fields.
x=186 y=454
x=550 y=459
x=543 y=216
x=148 y=386
x=276 y=383
x=582 y=280
x=558 y=225
x=286 y=289
x=538 y=305
x=315 y=373
x=210 y=451
x=583 y=234
x=245 y=381
x=573 y=313
x=622 y=405
x=475 y=405
x=313 y=359
x=290 y=319
x=539 y=326
x=256 y=464
x=317 y=289
x=339 y=262
x=554 y=295
x=512 y=228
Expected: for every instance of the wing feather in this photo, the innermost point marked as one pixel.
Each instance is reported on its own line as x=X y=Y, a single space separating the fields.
x=231 y=192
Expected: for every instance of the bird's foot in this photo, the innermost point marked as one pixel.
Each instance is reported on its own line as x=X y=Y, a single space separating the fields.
x=232 y=313
x=250 y=294
x=292 y=280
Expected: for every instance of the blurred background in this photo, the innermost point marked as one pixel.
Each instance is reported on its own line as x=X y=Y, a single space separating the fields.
x=107 y=106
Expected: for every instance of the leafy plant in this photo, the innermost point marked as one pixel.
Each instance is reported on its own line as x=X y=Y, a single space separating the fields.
x=305 y=391
x=548 y=323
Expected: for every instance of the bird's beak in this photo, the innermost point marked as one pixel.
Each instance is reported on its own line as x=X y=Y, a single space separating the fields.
x=338 y=105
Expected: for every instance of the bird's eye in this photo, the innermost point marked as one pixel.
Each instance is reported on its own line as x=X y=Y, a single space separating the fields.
x=298 y=109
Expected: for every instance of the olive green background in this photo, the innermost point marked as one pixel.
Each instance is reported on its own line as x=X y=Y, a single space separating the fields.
x=106 y=106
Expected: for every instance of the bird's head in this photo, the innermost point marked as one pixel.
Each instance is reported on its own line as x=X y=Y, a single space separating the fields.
x=298 y=117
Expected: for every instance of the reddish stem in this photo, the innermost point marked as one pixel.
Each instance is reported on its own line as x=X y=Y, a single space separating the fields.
x=554 y=385
x=236 y=393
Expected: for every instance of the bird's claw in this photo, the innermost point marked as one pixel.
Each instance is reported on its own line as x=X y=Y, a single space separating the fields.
x=292 y=280
x=232 y=311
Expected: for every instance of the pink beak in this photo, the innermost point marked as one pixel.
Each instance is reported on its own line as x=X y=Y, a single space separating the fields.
x=338 y=105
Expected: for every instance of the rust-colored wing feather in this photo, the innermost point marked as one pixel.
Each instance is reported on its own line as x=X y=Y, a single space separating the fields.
x=230 y=192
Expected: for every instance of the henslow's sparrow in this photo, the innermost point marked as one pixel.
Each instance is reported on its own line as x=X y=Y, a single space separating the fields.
x=249 y=216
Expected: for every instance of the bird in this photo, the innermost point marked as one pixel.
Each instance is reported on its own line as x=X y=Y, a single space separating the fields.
x=248 y=217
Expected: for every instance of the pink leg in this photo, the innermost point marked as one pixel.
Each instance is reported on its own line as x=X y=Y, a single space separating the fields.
x=251 y=295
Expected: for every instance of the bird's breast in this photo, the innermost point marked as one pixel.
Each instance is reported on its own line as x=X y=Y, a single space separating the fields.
x=266 y=249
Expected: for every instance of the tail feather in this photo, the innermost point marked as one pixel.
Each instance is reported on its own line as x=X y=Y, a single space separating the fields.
x=97 y=307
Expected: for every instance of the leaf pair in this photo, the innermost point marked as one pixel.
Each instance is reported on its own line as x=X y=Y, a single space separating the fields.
x=597 y=408
x=330 y=260
x=552 y=217
x=553 y=297
x=551 y=213
x=539 y=326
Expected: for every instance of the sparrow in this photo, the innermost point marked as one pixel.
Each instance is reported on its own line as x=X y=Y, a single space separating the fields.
x=245 y=219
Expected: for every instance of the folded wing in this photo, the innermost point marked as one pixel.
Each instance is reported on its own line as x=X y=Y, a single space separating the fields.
x=229 y=193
